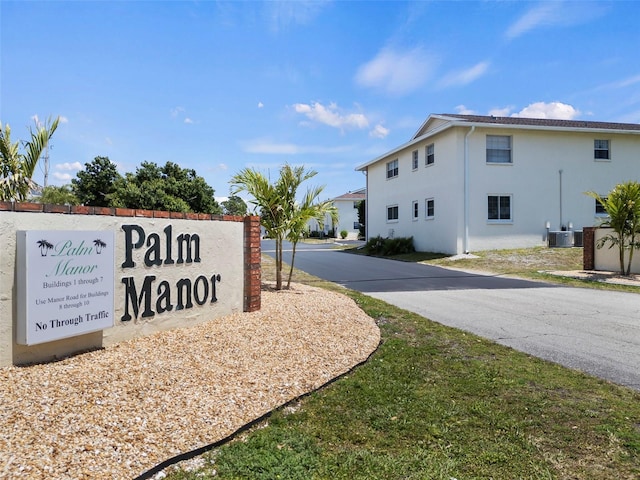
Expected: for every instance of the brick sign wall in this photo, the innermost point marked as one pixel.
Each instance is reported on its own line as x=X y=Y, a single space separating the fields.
x=170 y=270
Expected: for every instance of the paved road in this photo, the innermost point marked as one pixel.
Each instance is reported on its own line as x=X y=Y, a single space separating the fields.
x=594 y=331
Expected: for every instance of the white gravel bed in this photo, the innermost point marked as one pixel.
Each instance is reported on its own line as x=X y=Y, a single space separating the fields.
x=118 y=412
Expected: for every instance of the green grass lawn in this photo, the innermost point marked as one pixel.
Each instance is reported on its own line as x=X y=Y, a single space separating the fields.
x=434 y=402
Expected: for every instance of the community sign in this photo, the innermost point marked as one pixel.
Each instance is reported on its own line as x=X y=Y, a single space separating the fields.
x=64 y=283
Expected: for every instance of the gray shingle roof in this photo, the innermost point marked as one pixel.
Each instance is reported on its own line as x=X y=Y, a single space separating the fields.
x=543 y=122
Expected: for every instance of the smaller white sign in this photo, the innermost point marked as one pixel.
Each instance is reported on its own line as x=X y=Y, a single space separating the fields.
x=65 y=284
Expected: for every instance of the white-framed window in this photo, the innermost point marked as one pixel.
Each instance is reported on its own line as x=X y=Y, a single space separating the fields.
x=415 y=209
x=392 y=213
x=429 y=154
x=392 y=169
x=429 y=208
x=499 y=209
x=499 y=149
x=600 y=211
x=414 y=160
x=601 y=150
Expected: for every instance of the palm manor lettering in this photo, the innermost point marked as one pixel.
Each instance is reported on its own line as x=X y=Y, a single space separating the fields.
x=164 y=251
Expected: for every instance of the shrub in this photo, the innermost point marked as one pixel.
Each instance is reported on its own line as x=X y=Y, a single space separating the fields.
x=343 y=234
x=389 y=246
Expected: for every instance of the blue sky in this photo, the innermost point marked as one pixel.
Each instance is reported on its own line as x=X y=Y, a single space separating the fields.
x=220 y=86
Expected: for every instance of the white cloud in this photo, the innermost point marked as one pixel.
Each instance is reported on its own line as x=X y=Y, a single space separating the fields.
x=64 y=177
x=176 y=111
x=188 y=120
x=462 y=110
x=260 y=105
x=552 y=110
x=266 y=146
x=330 y=115
x=223 y=166
x=501 y=112
x=625 y=82
x=464 y=77
x=283 y=13
x=557 y=13
x=69 y=166
x=397 y=73
x=379 y=132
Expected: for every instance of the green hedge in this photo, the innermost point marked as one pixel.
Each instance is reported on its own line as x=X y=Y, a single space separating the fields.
x=389 y=246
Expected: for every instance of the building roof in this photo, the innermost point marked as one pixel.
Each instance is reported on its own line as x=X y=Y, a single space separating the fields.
x=543 y=122
x=438 y=122
x=357 y=195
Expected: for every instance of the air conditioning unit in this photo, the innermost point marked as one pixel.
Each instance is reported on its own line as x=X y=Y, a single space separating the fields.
x=577 y=238
x=561 y=239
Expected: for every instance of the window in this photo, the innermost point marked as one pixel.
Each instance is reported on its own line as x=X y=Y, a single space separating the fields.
x=414 y=209
x=392 y=213
x=429 y=208
x=392 y=169
x=499 y=208
x=600 y=211
x=499 y=149
x=601 y=150
x=414 y=160
x=429 y=154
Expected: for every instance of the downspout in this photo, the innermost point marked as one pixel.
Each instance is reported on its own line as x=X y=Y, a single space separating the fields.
x=560 y=177
x=466 y=190
x=366 y=205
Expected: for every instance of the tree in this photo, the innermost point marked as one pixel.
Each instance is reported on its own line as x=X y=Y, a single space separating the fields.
x=169 y=188
x=17 y=168
x=309 y=209
x=96 y=182
x=234 y=206
x=622 y=205
x=62 y=195
x=276 y=202
x=362 y=215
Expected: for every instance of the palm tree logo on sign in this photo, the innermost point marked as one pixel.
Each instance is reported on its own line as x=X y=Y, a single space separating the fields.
x=45 y=246
x=99 y=245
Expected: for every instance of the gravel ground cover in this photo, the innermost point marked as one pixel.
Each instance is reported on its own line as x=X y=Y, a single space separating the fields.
x=117 y=412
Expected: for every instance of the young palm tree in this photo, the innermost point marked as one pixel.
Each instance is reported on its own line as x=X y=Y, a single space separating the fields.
x=16 y=169
x=309 y=209
x=622 y=205
x=277 y=203
x=272 y=214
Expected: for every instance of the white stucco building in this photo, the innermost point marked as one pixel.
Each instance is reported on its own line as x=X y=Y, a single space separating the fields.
x=347 y=206
x=469 y=183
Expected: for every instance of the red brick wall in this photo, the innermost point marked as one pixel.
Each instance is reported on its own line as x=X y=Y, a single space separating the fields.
x=588 y=253
x=252 y=272
x=252 y=277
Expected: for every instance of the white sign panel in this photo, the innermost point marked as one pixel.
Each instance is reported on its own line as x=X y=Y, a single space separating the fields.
x=65 y=284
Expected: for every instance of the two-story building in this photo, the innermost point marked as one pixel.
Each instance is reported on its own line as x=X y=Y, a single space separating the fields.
x=347 y=207
x=469 y=182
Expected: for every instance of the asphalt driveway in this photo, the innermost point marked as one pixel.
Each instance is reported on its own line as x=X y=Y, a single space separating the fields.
x=594 y=331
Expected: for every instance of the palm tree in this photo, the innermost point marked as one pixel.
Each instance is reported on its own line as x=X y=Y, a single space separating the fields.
x=622 y=205
x=271 y=211
x=276 y=202
x=17 y=168
x=305 y=211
